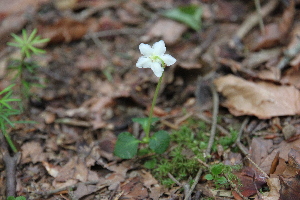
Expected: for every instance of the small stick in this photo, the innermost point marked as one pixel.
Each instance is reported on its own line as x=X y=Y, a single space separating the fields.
x=252 y=20
x=233 y=185
x=214 y=119
x=260 y=20
x=244 y=150
x=10 y=166
x=219 y=127
x=194 y=184
x=71 y=187
x=115 y=32
x=174 y=179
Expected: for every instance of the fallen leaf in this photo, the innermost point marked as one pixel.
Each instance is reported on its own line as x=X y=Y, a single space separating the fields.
x=290 y=187
x=67 y=29
x=169 y=30
x=275 y=32
x=274 y=186
x=263 y=152
x=32 y=152
x=251 y=181
x=262 y=99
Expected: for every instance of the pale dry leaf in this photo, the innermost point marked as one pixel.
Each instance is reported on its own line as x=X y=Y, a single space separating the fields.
x=274 y=185
x=262 y=99
x=32 y=152
x=169 y=30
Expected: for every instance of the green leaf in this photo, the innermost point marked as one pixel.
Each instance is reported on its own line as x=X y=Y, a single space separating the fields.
x=144 y=121
x=126 y=146
x=217 y=169
x=221 y=180
x=10 y=198
x=21 y=198
x=150 y=164
x=209 y=177
x=189 y=15
x=160 y=141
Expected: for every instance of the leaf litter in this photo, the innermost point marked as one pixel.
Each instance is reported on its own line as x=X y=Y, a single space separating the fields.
x=93 y=90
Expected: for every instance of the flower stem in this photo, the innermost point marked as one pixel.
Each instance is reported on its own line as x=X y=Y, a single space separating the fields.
x=152 y=107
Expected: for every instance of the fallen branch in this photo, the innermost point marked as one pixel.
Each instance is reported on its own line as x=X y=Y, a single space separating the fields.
x=10 y=167
x=214 y=119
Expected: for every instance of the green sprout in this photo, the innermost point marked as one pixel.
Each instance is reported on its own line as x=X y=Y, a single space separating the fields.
x=27 y=45
x=222 y=174
x=16 y=198
x=6 y=111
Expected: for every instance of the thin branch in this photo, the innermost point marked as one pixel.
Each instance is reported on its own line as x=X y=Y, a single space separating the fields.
x=10 y=167
x=214 y=119
x=233 y=185
x=194 y=184
x=115 y=32
x=219 y=127
x=244 y=150
x=174 y=179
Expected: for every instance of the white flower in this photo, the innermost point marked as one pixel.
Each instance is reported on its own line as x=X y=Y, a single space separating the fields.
x=154 y=57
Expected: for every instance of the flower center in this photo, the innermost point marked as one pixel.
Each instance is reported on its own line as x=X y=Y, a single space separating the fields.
x=156 y=58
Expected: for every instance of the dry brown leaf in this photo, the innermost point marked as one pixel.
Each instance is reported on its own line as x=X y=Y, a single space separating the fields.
x=169 y=30
x=262 y=99
x=290 y=187
x=275 y=32
x=32 y=152
x=67 y=29
x=263 y=152
x=274 y=186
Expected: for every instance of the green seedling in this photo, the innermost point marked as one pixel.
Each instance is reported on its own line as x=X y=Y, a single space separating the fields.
x=27 y=45
x=189 y=145
x=16 y=198
x=222 y=174
x=6 y=111
x=189 y=15
x=127 y=145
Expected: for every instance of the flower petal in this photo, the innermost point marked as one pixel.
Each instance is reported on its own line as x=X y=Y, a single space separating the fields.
x=145 y=49
x=168 y=59
x=157 y=69
x=159 y=48
x=144 y=62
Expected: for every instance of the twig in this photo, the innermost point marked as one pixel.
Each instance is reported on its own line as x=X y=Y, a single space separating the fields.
x=51 y=192
x=174 y=179
x=10 y=166
x=219 y=127
x=238 y=139
x=261 y=22
x=194 y=184
x=214 y=119
x=169 y=124
x=203 y=163
x=252 y=20
x=257 y=167
x=115 y=32
x=233 y=185
x=244 y=150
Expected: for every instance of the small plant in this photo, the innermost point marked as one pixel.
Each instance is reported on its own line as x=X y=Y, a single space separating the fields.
x=221 y=174
x=127 y=145
x=190 y=143
x=27 y=45
x=16 y=198
x=6 y=111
